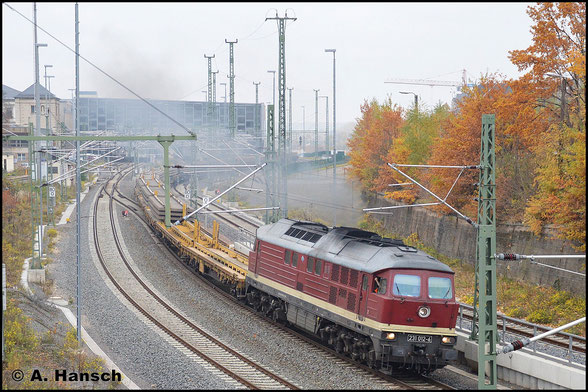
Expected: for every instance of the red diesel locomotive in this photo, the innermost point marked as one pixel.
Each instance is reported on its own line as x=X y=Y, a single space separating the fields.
x=375 y=299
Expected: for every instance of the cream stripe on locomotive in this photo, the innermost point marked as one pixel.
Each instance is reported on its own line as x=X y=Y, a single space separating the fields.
x=350 y=315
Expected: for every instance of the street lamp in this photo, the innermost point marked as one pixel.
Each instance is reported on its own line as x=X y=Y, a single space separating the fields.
x=416 y=99
x=334 y=137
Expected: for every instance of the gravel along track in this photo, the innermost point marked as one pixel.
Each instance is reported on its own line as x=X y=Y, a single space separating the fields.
x=148 y=357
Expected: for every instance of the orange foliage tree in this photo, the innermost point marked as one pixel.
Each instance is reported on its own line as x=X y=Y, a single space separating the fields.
x=556 y=64
x=414 y=147
x=371 y=140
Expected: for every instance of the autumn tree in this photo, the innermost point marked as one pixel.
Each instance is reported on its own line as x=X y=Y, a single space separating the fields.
x=372 y=137
x=414 y=147
x=556 y=65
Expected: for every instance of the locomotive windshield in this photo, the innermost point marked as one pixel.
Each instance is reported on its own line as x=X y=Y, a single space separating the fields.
x=440 y=288
x=407 y=285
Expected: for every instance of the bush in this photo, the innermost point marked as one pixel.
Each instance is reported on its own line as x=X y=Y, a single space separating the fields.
x=541 y=316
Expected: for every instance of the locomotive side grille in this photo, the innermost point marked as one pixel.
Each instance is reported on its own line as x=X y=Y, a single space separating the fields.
x=335 y=273
x=344 y=275
x=351 y=302
x=299 y=286
x=353 y=278
x=333 y=295
x=342 y=293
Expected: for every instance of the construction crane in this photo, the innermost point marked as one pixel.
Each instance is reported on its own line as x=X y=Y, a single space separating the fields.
x=426 y=82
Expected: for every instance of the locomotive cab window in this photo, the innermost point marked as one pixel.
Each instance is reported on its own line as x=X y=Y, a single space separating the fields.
x=287 y=257
x=294 y=259
x=310 y=264
x=379 y=285
x=407 y=285
x=440 y=288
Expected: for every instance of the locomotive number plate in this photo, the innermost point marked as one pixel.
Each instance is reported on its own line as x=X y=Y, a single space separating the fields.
x=419 y=338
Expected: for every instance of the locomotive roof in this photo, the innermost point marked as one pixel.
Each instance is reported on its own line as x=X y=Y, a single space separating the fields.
x=349 y=247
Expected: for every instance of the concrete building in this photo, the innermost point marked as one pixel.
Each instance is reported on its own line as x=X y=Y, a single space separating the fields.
x=8 y=96
x=17 y=149
x=7 y=163
x=24 y=109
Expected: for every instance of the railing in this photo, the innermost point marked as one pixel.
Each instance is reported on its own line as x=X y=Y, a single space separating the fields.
x=502 y=321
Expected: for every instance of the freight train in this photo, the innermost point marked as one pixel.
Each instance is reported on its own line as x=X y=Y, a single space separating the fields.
x=374 y=299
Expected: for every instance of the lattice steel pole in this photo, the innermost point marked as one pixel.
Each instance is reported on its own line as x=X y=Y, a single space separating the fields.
x=282 y=110
x=290 y=119
x=326 y=122
x=316 y=123
x=269 y=158
x=231 y=88
x=485 y=282
x=215 y=115
x=209 y=90
x=255 y=117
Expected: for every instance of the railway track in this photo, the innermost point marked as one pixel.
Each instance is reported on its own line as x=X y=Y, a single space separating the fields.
x=156 y=309
x=404 y=381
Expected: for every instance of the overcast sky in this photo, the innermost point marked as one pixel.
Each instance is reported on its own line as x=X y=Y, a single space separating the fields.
x=157 y=49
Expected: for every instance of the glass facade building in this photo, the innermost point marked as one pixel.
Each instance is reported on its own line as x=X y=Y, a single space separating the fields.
x=135 y=116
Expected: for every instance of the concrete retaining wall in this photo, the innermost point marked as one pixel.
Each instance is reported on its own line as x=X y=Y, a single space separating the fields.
x=456 y=238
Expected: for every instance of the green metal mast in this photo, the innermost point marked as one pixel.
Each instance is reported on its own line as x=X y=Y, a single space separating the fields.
x=35 y=210
x=269 y=158
x=257 y=124
x=484 y=319
x=290 y=119
x=231 y=88
x=209 y=111
x=215 y=114
x=282 y=110
x=316 y=124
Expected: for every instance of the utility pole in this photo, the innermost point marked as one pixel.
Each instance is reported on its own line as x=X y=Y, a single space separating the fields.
x=78 y=185
x=316 y=123
x=484 y=327
x=303 y=128
x=209 y=111
x=290 y=120
x=282 y=108
x=214 y=111
x=49 y=158
x=326 y=122
x=334 y=139
x=37 y=194
x=269 y=158
x=231 y=88
x=256 y=107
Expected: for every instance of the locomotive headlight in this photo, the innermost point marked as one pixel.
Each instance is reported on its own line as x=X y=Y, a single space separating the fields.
x=390 y=336
x=424 y=311
x=448 y=340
